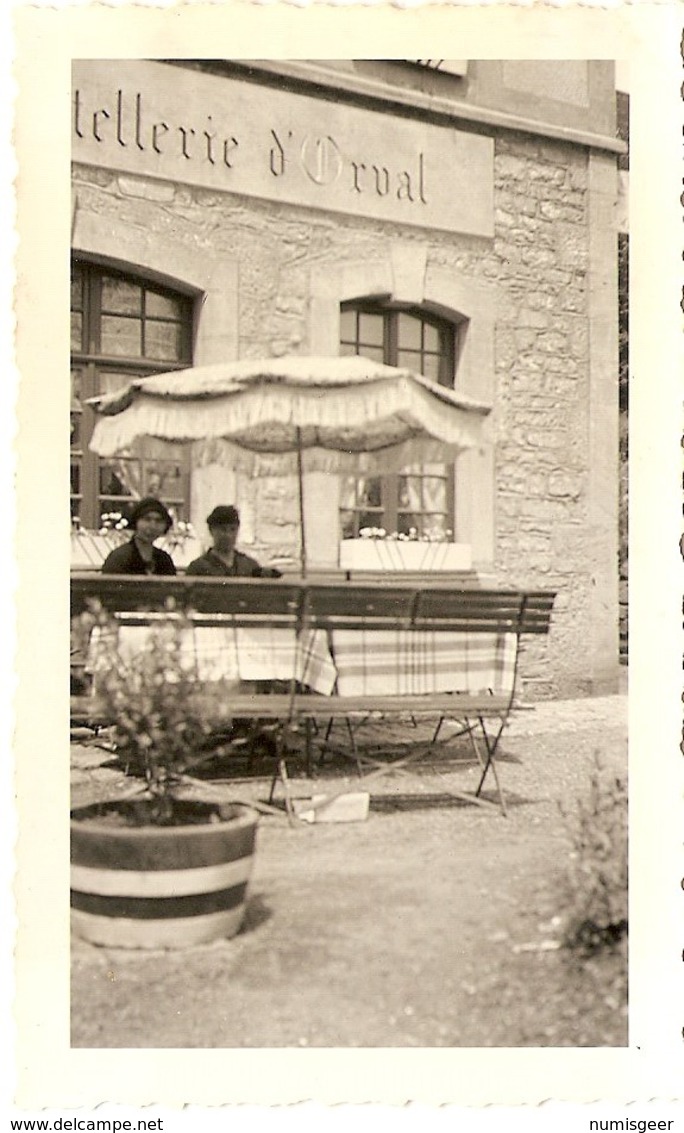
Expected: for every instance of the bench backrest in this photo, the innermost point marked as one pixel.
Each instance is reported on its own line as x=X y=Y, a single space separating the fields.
x=342 y=605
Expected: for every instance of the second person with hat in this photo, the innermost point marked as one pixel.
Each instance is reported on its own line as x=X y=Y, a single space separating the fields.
x=223 y=558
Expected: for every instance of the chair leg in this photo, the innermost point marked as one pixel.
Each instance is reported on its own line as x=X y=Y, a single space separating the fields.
x=326 y=738
x=308 y=745
x=491 y=744
x=355 y=750
x=280 y=776
x=437 y=730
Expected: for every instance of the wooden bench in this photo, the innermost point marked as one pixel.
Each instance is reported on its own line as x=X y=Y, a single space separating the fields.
x=368 y=608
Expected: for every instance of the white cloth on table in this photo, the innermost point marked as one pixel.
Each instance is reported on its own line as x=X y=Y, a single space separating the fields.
x=403 y=662
x=227 y=653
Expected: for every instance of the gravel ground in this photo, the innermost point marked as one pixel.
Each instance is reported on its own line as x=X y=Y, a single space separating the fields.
x=432 y=923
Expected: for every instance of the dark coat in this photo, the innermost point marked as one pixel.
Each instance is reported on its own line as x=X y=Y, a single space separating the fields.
x=212 y=565
x=128 y=560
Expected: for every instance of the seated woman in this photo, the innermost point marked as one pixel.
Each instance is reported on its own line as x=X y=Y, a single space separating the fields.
x=223 y=558
x=149 y=519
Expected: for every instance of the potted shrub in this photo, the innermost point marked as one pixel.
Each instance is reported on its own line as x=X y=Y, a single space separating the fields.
x=159 y=868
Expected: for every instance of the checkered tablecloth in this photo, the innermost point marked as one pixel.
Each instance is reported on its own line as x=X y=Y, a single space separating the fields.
x=363 y=662
x=227 y=653
x=414 y=662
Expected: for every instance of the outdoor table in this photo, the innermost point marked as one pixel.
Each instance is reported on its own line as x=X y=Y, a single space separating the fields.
x=229 y=653
x=373 y=662
x=408 y=662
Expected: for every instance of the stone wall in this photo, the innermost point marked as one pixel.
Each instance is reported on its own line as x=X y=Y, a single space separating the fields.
x=538 y=263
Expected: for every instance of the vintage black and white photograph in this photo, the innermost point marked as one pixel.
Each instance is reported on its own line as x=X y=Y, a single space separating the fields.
x=356 y=524
x=349 y=391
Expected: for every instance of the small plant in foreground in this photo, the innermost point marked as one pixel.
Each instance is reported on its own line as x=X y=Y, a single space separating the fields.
x=598 y=864
x=162 y=718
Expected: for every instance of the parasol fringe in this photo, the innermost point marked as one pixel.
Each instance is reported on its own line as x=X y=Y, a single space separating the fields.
x=229 y=378
x=321 y=460
x=399 y=406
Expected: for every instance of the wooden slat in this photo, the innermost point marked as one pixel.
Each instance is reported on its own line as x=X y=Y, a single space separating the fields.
x=282 y=706
x=325 y=707
x=209 y=621
x=469 y=624
x=330 y=604
x=208 y=595
x=348 y=600
x=245 y=596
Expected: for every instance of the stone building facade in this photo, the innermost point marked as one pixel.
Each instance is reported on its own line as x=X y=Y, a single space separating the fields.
x=476 y=198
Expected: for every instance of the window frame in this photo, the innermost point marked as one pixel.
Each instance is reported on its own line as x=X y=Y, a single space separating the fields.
x=91 y=363
x=450 y=340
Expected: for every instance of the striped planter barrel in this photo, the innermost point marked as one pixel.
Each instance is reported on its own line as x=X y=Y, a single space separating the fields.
x=160 y=886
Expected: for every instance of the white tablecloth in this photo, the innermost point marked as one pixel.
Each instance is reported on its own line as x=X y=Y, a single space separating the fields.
x=226 y=653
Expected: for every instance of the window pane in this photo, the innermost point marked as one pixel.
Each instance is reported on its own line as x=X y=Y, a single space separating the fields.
x=409 y=493
x=434 y=494
x=76 y=330
x=431 y=338
x=75 y=477
x=163 y=306
x=121 y=297
x=370 y=492
x=76 y=376
x=162 y=479
x=121 y=336
x=76 y=288
x=76 y=431
x=409 y=358
x=163 y=340
x=408 y=523
x=371 y=329
x=347 y=349
x=430 y=367
x=375 y=353
x=408 y=335
x=348 y=326
x=370 y=519
x=113 y=477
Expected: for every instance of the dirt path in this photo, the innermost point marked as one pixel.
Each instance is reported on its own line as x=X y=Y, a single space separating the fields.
x=423 y=926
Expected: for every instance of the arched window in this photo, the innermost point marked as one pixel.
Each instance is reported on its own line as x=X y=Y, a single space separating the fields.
x=420 y=496
x=123 y=326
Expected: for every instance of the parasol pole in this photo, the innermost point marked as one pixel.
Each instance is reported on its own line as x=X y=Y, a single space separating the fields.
x=300 y=477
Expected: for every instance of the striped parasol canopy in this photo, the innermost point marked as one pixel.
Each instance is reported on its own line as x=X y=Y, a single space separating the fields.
x=291 y=415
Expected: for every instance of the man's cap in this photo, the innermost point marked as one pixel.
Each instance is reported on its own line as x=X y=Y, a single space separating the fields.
x=225 y=515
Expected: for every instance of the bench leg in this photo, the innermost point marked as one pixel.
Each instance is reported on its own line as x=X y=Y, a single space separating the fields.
x=280 y=776
x=326 y=737
x=491 y=743
x=308 y=744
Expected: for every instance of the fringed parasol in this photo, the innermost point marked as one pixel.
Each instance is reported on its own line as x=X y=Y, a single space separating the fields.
x=279 y=416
